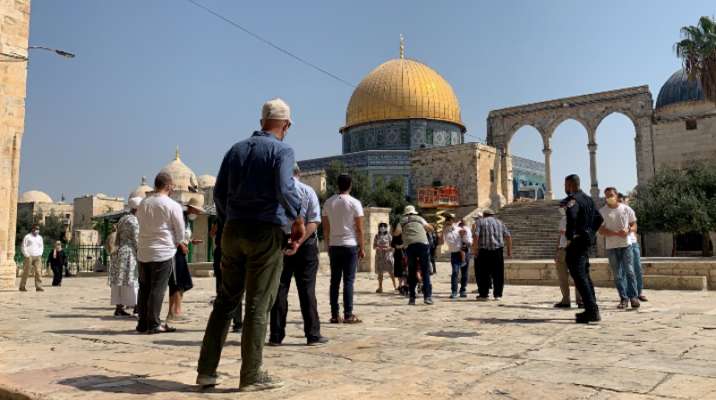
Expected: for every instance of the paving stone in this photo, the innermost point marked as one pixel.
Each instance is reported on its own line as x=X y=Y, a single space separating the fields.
x=65 y=344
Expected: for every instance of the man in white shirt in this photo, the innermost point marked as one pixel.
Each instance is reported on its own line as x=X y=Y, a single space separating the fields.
x=161 y=231
x=455 y=238
x=560 y=260
x=32 y=248
x=342 y=220
x=635 y=251
x=618 y=220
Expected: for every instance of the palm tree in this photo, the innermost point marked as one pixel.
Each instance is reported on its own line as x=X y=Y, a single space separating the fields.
x=697 y=49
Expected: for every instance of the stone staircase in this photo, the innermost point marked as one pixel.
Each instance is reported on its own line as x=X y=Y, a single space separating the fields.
x=534 y=228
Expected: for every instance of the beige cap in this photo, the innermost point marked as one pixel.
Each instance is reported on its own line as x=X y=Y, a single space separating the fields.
x=134 y=203
x=410 y=210
x=276 y=109
x=196 y=203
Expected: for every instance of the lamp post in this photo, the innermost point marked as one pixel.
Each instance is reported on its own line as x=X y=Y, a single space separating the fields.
x=20 y=58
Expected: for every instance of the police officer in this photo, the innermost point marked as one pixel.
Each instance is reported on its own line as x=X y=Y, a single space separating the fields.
x=582 y=222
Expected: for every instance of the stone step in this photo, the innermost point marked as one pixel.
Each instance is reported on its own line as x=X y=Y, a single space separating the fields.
x=672 y=282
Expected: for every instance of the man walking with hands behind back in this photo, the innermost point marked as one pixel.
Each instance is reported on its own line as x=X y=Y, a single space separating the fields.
x=161 y=230
x=255 y=196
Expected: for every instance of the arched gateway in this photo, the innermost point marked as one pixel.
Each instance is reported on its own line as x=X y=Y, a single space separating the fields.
x=589 y=110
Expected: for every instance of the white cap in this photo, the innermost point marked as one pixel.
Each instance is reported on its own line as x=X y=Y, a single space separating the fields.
x=134 y=203
x=276 y=109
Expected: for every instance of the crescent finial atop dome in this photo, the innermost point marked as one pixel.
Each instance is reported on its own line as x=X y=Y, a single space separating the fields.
x=402 y=46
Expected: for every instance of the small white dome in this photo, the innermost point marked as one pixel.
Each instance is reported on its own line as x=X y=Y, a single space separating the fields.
x=207 y=181
x=182 y=176
x=141 y=190
x=35 y=196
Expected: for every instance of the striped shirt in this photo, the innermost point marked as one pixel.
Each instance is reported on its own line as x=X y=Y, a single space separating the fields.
x=491 y=233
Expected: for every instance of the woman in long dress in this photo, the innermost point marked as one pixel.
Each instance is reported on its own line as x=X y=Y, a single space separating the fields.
x=383 y=255
x=123 y=277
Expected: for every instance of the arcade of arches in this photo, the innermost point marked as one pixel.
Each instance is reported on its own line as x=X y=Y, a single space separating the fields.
x=589 y=110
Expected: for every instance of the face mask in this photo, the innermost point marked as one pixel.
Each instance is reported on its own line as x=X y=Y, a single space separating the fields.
x=611 y=201
x=562 y=212
x=191 y=217
x=35 y=233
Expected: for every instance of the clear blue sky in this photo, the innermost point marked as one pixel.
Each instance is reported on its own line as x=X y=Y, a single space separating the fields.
x=150 y=75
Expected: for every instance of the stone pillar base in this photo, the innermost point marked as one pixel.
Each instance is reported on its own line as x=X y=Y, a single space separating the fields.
x=8 y=273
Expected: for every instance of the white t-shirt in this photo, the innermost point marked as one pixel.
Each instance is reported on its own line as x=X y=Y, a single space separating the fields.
x=563 y=233
x=161 y=228
x=341 y=211
x=617 y=219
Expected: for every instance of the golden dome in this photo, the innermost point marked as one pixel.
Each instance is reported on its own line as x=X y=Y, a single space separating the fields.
x=35 y=196
x=403 y=89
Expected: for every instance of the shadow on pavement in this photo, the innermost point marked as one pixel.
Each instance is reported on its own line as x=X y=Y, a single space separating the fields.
x=525 y=321
x=109 y=317
x=113 y=332
x=182 y=343
x=133 y=385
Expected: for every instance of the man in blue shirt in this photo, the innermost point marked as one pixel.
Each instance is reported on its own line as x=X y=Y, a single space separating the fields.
x=255 y=196
x=303 y=265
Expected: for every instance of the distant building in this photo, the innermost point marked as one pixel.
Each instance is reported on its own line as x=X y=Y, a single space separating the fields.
x=40 y=206
x=88 y=206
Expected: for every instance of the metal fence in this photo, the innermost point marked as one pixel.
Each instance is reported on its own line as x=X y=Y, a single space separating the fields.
x=79 y=258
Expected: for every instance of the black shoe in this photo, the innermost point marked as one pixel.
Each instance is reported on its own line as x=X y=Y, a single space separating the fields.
x=318 y=342
x=411 y=302
x=585 y=317
x=236 y=329
x=274 y=343
x=562 y=305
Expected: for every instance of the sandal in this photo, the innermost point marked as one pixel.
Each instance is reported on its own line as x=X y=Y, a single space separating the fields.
x=161 y=329
x=352 y=320
x=336 y=320
x=379 y=290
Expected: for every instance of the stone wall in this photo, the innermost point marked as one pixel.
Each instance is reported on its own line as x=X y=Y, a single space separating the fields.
x=664 y=273
x=466 y=166
x=89 y=206
x=315 y=179
x=373 y=216
x=14 y=34
x=675 y=146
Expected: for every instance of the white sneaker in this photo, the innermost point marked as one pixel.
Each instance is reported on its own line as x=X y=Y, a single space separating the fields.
x=206 y=381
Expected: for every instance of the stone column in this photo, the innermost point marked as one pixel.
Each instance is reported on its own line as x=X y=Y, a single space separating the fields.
x=373 y=216
x=15 y=17
x=547 y=151
x=496 y=196
x=594 y=190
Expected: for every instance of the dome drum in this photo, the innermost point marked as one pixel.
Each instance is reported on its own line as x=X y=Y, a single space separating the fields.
x=401 y=135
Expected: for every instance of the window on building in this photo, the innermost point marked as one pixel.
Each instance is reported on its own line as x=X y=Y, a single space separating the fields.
x=492 y=175
x=691 y=124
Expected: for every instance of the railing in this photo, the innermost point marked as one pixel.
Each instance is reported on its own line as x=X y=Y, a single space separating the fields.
x=79 y=258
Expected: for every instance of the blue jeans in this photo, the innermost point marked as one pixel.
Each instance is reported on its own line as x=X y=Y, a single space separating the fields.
x=620 y=260
x=419 y=253
x=457 y=264
x=636 y=260
x=344 y=261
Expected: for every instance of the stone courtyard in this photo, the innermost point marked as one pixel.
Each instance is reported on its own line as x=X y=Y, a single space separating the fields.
x=65 y=344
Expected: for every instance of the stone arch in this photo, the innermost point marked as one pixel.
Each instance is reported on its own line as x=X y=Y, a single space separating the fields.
x=589 y=110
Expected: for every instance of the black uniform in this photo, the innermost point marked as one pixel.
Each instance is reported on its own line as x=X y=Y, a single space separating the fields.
x=583 y=220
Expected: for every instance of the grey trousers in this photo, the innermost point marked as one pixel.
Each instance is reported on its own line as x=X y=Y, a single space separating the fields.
x=153 y=284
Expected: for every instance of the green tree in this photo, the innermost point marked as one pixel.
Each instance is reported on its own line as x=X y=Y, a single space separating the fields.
x=378 y=193
x=53 y=229
x=25 y=219
x=679 y=202
x=697 y=49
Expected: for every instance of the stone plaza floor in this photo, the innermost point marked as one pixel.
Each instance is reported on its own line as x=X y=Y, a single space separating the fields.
x=65 y=344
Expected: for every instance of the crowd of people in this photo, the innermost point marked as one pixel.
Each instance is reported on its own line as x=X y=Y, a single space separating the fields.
x=267 y=236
